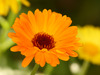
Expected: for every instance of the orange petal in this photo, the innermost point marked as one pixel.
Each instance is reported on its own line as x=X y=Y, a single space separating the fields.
x=39 y=20
x=11 y=34
x=51 y=22
x=56 y=24
x=42 y=62
x=23 y=15
x=61 y=55
x=49 y=13
x=54 y=60
x=67 y=34
x=64 y=56
x=32 y=19
x=20 y=29
x=72 y=53
x=26 y=25
x=15 y=49
x=45 y=15
x=20 y=39
x=29 y=52
x=64 y=23
x=39 y=58
x=48 y=57
x=27 y=61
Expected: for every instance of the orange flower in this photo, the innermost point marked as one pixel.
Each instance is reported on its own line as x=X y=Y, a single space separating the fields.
x=44 y=36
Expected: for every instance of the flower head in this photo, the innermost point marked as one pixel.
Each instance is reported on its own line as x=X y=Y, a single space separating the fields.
x=5 y=5
x=90 y=37
x=44 y=36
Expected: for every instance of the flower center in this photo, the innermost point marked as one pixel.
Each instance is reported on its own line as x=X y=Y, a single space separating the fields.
x=43 y=40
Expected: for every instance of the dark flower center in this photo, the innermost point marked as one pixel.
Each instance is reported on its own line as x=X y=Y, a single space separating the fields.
x=43 y=40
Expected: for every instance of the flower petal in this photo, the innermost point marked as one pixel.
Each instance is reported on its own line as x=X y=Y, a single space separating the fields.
x=32 y=19
x=54 y=60
x=61 y=55
x=20 y=39
x=25 y=2
x=48 y=57
x=39 y=58
x=15 y=49
x=72 y=53
x=27 y=60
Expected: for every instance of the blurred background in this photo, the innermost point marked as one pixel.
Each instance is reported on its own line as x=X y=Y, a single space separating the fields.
x=82 y=12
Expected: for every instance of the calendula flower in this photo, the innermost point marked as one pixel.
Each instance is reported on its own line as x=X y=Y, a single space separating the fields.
x=44 y=36
x=90 y=37
x=5 y=5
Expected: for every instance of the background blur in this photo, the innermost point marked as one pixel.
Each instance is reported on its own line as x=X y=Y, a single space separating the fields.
x=82 y=12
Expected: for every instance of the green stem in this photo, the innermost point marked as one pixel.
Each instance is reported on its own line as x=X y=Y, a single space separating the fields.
x=4 y=23
x=35 y=69
x=11 y=18
x=84 y=68
x=3 y=35
x=48 y=69
x=5 y=27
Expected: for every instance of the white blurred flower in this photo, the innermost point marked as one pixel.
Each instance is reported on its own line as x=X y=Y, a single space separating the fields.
x=9 y=71
x=39 y=74
x=74 y=68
